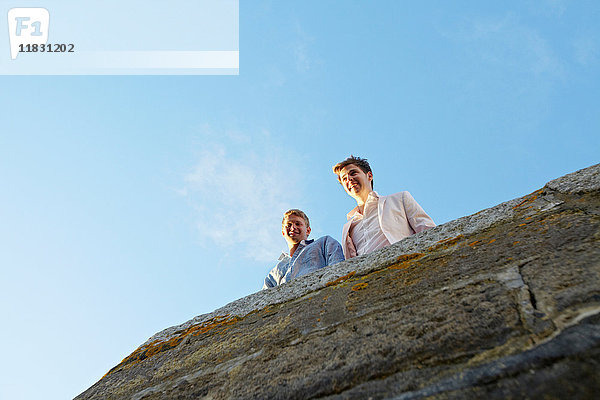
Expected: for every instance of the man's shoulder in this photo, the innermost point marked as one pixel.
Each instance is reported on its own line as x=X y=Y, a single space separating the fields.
x=397 y=198
x=322 y=244
x=397 y=201
x=325 y=239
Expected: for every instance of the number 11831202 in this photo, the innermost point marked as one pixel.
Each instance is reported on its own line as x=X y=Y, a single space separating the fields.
x=47 y=48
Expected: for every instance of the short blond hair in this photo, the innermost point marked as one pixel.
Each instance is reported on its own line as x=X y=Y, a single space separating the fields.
x=296 y=212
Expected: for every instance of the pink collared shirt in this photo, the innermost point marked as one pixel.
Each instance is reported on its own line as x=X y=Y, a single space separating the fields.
x=399 y=216
x=365 y=231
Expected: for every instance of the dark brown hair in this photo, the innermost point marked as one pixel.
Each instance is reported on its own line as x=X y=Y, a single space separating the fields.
x=361 y=163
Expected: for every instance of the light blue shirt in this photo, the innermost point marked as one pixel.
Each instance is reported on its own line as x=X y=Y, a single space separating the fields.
x=310 y=256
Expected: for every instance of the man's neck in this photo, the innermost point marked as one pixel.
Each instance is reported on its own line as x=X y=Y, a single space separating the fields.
x=361 y=207
x=360 y=202
x=293 y=248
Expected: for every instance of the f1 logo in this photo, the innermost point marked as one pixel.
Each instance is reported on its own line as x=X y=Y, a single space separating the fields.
x=27 y=26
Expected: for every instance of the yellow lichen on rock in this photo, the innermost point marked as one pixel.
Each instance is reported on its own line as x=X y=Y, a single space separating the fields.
x=359 y=286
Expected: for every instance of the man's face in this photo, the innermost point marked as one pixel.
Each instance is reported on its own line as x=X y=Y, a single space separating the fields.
x=294 y=229
x=356 y=182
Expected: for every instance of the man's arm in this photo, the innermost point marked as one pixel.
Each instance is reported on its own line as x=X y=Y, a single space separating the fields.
x=417 y=217
x=333 y=251
x=269 y=282
x=275 y=275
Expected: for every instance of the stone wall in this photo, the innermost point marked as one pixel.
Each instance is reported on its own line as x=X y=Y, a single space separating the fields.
x=504 y=303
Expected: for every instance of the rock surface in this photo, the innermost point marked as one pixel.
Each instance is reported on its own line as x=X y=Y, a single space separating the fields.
x=504 y=303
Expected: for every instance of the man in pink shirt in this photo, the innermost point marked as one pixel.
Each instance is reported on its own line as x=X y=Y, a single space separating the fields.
x=377 y=221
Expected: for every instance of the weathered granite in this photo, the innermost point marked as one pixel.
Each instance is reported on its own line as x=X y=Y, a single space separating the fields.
x=503 y=303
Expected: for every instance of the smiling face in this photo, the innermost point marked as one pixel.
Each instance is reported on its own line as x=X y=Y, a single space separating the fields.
x=294 y=229
x=356 y=182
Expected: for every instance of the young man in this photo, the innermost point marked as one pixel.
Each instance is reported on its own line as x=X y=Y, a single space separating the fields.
x=377 y=221
x=305 y=255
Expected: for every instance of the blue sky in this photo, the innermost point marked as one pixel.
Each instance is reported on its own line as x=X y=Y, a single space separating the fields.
x=134 y=203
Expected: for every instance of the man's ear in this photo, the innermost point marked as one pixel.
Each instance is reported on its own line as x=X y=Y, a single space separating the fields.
x=370 y=176
x=307 y=231
x=283 y=231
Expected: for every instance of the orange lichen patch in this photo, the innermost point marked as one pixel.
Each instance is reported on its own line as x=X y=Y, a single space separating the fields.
x=162 y=347
x=222 y=322
x=529 y=198
x=522 y=224
x=474 y=243
x=341 y=279
x=515 y=242
x=268 y=311
x=492 y=241
x=262 y=312
x=445 y=243
x=401 y=265
x=409 y=257
x=216 y=322
x=406 y=260
x=450 y=239
x=359 y=286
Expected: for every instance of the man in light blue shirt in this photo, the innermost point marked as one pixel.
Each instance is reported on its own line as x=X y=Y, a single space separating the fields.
x=305 y=255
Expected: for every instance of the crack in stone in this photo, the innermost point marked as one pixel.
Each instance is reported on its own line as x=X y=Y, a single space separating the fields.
x=532 y=299
x=577 y=340
x=533 y=319
x=510 y=276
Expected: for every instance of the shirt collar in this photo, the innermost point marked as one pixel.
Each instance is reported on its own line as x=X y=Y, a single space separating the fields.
x=301 y=245
x=354 y=212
